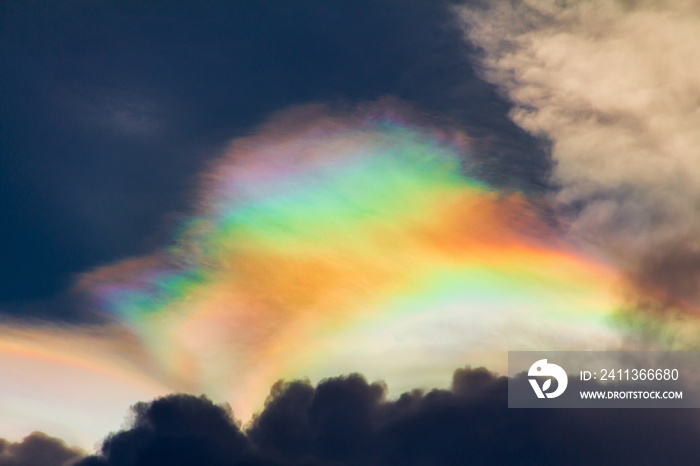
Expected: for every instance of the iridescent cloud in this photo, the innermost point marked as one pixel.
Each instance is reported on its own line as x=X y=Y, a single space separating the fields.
x=328 y=244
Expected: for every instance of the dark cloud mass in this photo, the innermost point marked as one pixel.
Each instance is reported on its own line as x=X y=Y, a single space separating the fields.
x=38 y=449
x=348 y=421
x=110 y=108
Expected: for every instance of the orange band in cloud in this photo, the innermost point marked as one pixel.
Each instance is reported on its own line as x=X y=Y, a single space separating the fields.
x=308 y=233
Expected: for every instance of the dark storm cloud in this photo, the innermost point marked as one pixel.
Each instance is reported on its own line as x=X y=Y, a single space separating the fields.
x=38 y=449
x=110 y=108
x=347 y=421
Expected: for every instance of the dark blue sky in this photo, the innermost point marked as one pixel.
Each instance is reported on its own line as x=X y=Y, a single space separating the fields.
x=109 y=109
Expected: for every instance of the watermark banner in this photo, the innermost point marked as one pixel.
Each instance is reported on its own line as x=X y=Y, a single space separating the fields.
x=604 y=379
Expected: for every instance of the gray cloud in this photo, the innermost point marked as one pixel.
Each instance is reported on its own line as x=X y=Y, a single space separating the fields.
x=38 y=449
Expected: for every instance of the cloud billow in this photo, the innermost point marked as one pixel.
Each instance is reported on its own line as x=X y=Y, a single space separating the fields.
x=38 y=449
x=348 y=421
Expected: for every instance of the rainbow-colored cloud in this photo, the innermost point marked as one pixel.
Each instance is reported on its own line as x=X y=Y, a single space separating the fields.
x=324 y=245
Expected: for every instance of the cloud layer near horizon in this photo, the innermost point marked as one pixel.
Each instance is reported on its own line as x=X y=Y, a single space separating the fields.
x=347 y=421
x=615 y=86
x=38 y=449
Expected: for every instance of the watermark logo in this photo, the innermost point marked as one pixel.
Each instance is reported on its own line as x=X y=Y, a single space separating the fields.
x=603 y=379
x=542 y=368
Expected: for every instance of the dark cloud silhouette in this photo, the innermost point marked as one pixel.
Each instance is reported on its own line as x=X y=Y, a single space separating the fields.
x=347 y=421
x=38 y=449
x=179 y=429
x=110 y=108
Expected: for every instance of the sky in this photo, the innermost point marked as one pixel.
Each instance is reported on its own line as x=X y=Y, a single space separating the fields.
x=309 y=233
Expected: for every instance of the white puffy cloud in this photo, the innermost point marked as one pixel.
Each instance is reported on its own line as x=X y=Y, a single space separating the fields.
x=615 y=86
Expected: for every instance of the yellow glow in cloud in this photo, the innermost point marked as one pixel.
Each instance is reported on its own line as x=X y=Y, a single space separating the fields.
x=330 y=245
